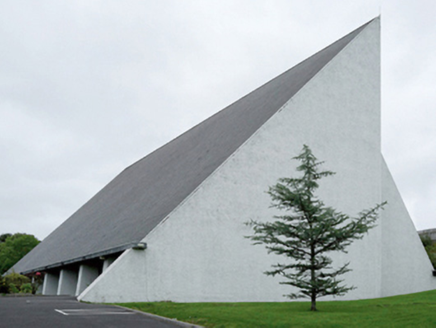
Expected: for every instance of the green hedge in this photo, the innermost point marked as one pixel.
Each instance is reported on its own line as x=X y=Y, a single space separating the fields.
x=15 y=283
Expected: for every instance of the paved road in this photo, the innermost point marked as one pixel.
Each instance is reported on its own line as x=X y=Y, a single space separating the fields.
x=67 y=312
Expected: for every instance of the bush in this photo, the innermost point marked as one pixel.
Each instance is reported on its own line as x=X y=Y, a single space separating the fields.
x=13 y=289
x=431 y=251
x=26 y=288
x=17 y=280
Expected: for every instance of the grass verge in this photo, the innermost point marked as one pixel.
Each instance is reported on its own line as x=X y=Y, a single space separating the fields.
x=413 y=310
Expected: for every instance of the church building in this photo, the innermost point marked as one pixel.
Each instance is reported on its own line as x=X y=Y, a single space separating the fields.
x=171 y=226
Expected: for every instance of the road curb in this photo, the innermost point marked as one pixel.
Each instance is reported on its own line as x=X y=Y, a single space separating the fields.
x=158 y=317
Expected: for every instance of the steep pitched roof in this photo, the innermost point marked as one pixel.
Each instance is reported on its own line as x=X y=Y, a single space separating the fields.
x=141 y=196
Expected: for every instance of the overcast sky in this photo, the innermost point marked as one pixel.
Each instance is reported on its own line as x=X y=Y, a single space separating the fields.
x=89 y=87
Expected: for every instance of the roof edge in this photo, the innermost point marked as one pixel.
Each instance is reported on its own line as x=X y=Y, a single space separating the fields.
x=358 y=30
x=106 y=252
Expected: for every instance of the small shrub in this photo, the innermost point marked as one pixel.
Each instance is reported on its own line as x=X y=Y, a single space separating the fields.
x=26 y=288
x=13 y=289
x=17 y=280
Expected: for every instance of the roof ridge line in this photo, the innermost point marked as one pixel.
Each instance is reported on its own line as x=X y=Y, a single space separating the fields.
x=361 y=28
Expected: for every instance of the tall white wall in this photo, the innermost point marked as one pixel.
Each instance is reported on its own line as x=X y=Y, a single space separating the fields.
x=199 y=252
x=406 y=266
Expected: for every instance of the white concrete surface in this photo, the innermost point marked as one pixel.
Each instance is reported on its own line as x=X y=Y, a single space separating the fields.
x=406 y=265
x=199 y=252
x=67 y=282
x=87 y=274
x=50 y=285
x=107 y=262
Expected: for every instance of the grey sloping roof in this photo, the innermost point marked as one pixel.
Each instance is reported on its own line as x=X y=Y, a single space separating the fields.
x=141 y=196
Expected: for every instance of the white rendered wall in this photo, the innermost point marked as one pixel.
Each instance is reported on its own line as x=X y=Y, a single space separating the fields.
x=199 y=252
x=50 y=285
x=87 y=274
x=406 y=266
x=67 y=282
x=107 y=262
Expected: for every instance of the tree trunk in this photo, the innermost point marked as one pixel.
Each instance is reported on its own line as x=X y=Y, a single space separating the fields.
x=313 y=307
x=312 y=277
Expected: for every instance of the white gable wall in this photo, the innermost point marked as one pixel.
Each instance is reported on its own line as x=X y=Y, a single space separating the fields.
x=199 y=252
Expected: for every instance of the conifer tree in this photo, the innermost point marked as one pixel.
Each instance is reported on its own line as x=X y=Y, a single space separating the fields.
x=307 y=231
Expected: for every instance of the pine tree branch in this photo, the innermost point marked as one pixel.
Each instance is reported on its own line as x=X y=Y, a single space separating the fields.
x=308 y=230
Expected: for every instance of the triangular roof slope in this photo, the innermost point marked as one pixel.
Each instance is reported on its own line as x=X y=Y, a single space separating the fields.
x=141 y=196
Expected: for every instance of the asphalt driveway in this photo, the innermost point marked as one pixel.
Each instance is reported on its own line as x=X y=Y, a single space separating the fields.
x=67 y=312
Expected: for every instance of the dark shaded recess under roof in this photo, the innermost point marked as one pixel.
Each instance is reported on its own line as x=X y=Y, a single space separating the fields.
x=141 y=196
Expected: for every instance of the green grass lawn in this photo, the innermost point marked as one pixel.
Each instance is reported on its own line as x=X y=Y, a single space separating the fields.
x=413 y=310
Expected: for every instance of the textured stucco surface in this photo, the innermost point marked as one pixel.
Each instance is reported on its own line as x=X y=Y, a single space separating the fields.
x=406 y=265
x=199 y=253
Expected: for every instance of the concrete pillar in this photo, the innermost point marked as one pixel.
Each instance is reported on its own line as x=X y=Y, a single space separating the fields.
x=107 y=262
x=87 y=274
x=67 y=282
x=51 y=282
